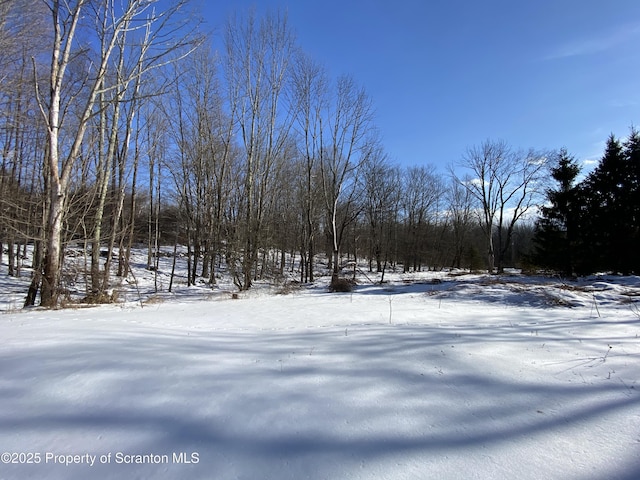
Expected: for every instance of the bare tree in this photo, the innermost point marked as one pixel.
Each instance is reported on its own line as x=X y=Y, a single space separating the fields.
x=204 y=135
x=155 y=141
x=422 y=189
x=381 y=182
x=311 y=100
x=114 y=134
x=22 y=35
x=258 y=55
x=505 y=185
x=460 y=220
x=345 y=143
x=65 y=142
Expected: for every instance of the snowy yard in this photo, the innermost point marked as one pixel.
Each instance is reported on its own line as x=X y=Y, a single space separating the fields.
x=467 y=378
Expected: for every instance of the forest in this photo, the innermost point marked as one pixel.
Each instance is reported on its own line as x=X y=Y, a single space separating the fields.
x=125 y=124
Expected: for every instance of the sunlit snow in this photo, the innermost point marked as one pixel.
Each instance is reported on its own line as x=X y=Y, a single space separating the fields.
x=469 y=376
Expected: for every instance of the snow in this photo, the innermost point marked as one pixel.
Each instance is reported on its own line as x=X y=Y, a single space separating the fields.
x=467 y=377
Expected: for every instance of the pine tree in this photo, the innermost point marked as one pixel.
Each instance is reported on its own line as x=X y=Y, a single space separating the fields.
x=555 y=236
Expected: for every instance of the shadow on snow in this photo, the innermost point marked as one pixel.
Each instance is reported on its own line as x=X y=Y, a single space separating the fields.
x=268 y=403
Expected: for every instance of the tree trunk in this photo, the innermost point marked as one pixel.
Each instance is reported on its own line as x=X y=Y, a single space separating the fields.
x=11 y=258
x=490 y=253
x=52 y=262
x=37 y=275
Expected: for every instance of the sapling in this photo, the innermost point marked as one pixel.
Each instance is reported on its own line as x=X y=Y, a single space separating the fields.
x=595 y=303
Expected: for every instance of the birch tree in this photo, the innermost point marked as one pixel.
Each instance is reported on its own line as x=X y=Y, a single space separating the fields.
x=64 y=141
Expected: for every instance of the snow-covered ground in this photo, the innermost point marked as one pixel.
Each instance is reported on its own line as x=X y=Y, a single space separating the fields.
x=467 y=377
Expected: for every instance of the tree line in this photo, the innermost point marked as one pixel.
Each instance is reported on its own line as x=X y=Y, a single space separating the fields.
x=121 y=125
x=593 y=225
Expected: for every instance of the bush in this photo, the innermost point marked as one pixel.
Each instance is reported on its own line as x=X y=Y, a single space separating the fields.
x=341 y=285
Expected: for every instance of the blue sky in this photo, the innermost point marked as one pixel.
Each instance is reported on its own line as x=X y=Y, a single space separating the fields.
x=448 y=74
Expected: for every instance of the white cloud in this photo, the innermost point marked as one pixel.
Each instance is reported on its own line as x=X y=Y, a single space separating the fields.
x=476 y=182
x=597 y=44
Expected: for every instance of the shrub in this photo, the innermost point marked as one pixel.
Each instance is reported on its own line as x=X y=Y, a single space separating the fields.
x=341 y=285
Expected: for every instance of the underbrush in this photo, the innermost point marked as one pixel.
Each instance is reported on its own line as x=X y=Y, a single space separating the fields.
x=341 y=285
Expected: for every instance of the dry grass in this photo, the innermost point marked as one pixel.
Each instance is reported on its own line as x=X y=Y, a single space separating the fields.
x=153 y=300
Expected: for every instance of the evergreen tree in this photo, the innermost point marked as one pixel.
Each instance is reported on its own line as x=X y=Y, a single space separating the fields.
x=631 y=200
x=607 y=224
x=555 y=235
